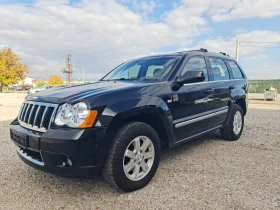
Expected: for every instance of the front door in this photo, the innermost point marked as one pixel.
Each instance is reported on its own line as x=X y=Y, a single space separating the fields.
x=193 y=104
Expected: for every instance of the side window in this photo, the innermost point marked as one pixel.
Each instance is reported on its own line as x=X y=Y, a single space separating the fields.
x=196 y=64
x=219 y=69
x=235 y=70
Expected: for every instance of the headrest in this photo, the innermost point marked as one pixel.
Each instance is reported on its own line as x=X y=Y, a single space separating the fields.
x=216 y=70
x=157 y=72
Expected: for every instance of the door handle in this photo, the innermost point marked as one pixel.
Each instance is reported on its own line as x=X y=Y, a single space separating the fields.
x=231 y=87
x=208 y=91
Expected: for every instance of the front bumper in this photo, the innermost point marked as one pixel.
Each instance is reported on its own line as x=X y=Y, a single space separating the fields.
x=67 y=152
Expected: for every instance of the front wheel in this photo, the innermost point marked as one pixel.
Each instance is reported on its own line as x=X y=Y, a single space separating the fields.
x=133 y=158
x=234 y=125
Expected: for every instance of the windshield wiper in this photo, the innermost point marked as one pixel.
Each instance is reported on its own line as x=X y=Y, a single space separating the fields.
x=118 y=79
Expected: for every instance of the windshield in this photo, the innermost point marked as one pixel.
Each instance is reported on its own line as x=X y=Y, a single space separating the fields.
x=151 y=69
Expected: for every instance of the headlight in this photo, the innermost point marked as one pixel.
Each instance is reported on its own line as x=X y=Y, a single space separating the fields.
x=75 y=116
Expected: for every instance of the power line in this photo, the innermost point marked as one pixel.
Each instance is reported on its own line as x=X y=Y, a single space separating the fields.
x=261 y=42
x=248 y=44
x=258 y=45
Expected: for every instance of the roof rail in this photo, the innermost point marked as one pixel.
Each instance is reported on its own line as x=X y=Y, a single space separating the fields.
x=203 y=50
x=224 y=54
x=200 y=50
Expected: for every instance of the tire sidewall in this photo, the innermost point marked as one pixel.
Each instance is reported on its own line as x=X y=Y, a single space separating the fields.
x=125 y=138
x=235 y=109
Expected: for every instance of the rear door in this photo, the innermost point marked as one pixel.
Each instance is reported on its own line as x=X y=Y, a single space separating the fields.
x=223 y=88
x=240 y=79
x=193 y=104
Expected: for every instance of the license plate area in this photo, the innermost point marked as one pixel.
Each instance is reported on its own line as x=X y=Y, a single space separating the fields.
x=19 y=138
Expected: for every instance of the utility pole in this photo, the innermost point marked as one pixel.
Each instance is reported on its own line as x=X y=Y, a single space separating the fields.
x=237 y=48
x=68 y=70
x=83 y=75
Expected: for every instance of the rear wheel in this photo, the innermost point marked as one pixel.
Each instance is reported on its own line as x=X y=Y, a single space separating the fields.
x=234 y=125
x=133 y=158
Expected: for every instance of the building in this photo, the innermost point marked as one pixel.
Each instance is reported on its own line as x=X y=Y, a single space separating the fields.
x=28 y=81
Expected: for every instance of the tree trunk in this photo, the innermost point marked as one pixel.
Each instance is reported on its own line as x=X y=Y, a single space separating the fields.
x=1 y=88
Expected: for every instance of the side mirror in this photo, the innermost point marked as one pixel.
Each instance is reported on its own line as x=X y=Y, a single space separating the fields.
x=189 y=77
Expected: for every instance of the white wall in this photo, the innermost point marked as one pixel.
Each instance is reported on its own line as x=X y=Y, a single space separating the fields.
x=28 y=80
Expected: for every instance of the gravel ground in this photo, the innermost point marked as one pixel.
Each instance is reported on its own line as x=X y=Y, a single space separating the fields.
x=205 y=174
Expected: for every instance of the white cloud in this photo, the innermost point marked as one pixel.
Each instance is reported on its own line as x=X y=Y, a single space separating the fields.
x=99 y=34
x=264 y=71
x=228 y=45
x=249 y=52
x=222 y=10
x=257 y=57
x=143 y=7
x=240 y=9
x=147 y=6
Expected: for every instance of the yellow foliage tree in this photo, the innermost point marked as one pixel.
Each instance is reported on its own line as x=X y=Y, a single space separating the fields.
x=11 y=68
x=54 y=80
x=40 y=83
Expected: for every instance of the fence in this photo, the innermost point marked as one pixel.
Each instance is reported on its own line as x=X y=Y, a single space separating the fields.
x=258 y=86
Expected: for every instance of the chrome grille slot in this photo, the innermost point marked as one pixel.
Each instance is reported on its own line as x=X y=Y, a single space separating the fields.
x=37 y=115
x=27 y=113
x=32 y=114
x=47 y=118
x=23 y=111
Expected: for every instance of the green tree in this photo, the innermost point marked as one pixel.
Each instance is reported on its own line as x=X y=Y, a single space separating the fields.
x=12 y=69
x=55 y=80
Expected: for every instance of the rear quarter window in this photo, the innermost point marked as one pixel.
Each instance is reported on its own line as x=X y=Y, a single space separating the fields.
x=237 y=73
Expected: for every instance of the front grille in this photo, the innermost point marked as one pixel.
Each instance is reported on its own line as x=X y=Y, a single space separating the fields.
x=36 y=115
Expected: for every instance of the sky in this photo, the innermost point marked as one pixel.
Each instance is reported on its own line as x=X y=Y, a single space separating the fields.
x=101 y=34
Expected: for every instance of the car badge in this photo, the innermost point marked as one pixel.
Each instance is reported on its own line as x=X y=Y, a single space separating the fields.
x=33 y=98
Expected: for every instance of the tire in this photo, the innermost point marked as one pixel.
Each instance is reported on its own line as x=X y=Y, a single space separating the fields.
x=228 y=132
x=127 y=139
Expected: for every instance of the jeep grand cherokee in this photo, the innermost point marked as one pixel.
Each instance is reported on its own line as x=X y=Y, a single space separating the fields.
x=120 y=124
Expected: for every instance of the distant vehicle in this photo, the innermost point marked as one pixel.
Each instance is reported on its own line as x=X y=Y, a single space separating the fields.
x=19 y=88
x=12 y=87
x=26 y=87
x=35 y=90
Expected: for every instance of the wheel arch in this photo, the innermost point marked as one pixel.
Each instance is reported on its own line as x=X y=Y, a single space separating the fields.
x=155 y=121
x=154 y=116
x=241 y=102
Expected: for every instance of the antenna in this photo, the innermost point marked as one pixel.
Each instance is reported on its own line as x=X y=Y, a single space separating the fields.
x=68 y=70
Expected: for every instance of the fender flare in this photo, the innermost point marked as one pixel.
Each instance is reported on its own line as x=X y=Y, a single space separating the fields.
x=113 y=116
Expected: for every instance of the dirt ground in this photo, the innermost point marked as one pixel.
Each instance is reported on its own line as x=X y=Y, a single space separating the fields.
x=208 y=173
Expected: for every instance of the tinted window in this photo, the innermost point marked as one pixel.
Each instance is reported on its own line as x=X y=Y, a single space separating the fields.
x=235 y=70
x=219 y=69
x=196 y=64
x=130 y=73
x=152 y=69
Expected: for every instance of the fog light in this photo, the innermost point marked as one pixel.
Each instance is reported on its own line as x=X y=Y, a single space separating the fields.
x=66 y=163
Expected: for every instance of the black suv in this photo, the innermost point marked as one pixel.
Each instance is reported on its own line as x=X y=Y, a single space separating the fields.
x=120 y=124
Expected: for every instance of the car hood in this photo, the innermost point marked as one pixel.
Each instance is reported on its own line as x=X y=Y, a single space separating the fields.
x=75 y=93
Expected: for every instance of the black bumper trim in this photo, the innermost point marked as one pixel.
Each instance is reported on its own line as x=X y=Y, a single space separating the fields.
x=25 y=155
x=64 y=171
